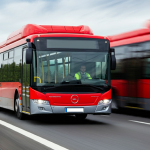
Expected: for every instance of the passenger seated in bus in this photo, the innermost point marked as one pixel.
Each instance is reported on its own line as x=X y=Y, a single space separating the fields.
x=82 y=74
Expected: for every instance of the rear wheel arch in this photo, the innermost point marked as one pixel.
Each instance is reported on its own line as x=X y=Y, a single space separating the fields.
x=18 y=113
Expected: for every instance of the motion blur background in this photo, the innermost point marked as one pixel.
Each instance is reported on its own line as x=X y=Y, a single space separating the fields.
x=105 y=17
x=128 y=128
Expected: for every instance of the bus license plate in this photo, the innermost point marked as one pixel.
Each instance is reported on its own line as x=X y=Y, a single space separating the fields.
x=74 y=110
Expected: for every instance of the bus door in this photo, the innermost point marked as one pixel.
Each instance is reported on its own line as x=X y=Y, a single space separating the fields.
x=25 y=84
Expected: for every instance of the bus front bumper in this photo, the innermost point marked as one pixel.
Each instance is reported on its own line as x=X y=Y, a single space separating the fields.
x=104 y=109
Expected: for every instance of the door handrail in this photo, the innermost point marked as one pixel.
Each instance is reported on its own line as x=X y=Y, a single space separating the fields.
x=37 y=78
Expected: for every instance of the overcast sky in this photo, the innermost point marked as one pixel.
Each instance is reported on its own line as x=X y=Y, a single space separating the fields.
x=105 y=17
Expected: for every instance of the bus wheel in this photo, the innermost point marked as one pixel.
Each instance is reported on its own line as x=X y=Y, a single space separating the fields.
x=81 y=116
x=17 y=110
x=114 y=104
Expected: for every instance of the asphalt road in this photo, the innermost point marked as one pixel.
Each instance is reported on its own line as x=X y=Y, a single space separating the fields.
x=114 y=132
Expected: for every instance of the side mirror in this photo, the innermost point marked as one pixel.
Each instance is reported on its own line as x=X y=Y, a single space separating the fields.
x=29 y=56
x=29 y=53
x=113 y=59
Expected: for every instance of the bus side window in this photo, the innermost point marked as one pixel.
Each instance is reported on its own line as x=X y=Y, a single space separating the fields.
x=146 y=69
x=17 y=63
x=10 y=66
x=10 y=70
x=5 y=56
x=5 y=70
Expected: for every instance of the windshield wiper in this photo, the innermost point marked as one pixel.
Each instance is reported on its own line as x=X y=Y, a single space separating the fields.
x=97 y=87
x=74 y=82
x=50 y=87
x=71 y=82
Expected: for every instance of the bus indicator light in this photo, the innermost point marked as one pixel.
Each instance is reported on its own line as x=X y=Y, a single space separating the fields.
x=105 y=101
x=45 y=102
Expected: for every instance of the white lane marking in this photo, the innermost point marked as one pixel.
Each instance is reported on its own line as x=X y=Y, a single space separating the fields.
x=140 y=122
x=33 y=136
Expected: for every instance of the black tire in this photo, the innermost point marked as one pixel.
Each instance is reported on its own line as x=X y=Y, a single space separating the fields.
x=81 y=116
x=19 y=115
x=114 y=104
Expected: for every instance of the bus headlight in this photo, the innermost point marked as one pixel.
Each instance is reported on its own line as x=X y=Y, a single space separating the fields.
x=105 y=101
x=39 y=101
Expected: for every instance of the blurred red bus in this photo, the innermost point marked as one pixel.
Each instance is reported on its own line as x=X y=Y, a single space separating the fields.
x=40 y=71
x=131 y=79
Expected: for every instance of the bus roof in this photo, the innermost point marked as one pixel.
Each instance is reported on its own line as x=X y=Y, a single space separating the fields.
x=131 y=35
x=31 y=29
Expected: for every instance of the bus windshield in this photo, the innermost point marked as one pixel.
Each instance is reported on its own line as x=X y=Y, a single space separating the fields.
x=70 y=67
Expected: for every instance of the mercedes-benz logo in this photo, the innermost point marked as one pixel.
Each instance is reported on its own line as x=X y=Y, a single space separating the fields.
x=74 y=99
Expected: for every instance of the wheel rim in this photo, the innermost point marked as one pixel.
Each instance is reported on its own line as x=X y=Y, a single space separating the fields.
x=16 y=106
x=18 y=113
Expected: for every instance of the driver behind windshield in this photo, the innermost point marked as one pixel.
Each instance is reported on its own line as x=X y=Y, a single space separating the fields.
x=82 y=74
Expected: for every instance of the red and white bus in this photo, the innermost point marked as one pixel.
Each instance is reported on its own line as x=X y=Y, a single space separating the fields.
x=38 y=64
x=131 y=79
